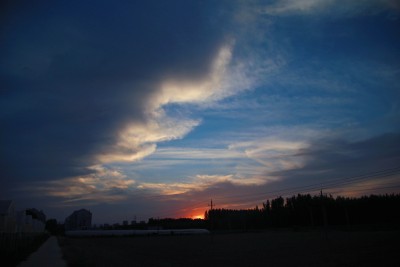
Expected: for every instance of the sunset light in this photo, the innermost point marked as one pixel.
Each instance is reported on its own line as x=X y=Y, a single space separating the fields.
x=228 y=132
x=149 y=109
x=200 y=216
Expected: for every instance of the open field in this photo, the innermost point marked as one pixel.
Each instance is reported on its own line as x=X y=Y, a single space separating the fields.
x=280 y=248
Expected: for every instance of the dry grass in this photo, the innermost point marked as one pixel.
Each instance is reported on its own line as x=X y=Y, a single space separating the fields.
x=238 y=249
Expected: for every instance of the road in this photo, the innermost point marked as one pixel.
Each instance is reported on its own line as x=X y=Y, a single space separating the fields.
x=49 y=254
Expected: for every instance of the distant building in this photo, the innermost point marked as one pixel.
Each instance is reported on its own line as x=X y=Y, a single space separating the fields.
x=7 y=216
x=79 y=220
x=24 y=221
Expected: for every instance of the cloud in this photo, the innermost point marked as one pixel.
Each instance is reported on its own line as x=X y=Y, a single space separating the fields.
x=138 y=139
x=292 y=167
x=250 y=163
x=338 y=167
x=254 y=148
x=84 y=85
x=83 y=88
x=330 y=7
x=200 y=183
x=194 y=153
x=102 y=185
x=98 y=100
x=301 y=6
x=188 y=91
x=330 y=159
x=311 y=166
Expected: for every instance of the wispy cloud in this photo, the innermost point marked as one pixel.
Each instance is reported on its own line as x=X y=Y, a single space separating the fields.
x=200 y=183
x=293 y=6
x=273 y=154
x=253 y=163
x=139 y=140
x=102 y=185
x=196 y=153
x=331 y=7
x=337 y=158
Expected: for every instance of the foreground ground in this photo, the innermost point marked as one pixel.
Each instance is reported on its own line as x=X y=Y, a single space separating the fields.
x=283 y=248
x=48 y=255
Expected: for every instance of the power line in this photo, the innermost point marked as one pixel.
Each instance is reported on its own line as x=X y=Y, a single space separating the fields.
x=325 y=185
x=315 y=187
x=335 y=183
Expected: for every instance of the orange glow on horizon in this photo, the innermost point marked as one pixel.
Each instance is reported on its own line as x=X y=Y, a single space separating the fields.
x=200 y=216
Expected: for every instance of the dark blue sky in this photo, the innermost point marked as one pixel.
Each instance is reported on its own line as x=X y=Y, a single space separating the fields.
x=152 y=109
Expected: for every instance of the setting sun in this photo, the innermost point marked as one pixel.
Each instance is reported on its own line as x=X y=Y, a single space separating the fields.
x=200 y=216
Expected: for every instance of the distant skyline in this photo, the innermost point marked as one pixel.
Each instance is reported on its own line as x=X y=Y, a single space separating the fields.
x=153 y=108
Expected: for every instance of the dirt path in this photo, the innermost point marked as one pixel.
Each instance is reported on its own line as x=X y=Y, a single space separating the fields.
x=49 y=254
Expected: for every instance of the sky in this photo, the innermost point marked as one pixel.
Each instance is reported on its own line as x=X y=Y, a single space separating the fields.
x=139 y=109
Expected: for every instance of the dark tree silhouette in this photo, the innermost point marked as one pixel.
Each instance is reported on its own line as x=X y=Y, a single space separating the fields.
x=311 y=211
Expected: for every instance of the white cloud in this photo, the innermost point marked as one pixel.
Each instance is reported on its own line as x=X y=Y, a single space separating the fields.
x=296 y=6
x=253 y=162
x=208 y=88
x=200 y=183
x=138 y=139
x=216 y=179
x=196 y=153
x=273 y=154
x=227 y=76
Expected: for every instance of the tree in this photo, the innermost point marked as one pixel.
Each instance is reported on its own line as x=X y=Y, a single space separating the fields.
x=51 y=226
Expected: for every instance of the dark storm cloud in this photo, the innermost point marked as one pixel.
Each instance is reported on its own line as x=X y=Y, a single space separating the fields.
x=73 y=73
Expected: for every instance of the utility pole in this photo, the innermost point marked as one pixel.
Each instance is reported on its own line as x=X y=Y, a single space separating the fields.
x=211 y=205
x=324 y=215
x=211 y=218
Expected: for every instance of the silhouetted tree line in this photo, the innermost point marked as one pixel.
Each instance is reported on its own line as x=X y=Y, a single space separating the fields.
x=311 y=211
x=182 y=223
